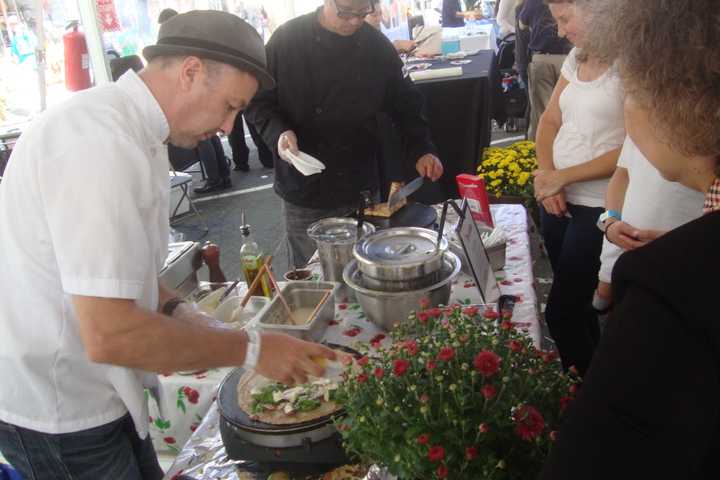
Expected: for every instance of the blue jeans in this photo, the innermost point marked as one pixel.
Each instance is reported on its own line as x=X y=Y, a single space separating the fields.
x=573 y=245
x=109 y=452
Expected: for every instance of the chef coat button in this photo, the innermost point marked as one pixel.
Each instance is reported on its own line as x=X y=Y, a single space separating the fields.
x=318 y=110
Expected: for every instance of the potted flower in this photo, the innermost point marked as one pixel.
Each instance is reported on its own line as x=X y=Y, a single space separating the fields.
x=507 y=172
x=461 y=394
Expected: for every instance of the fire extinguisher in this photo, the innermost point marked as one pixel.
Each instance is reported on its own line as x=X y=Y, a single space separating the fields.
x=77 y=60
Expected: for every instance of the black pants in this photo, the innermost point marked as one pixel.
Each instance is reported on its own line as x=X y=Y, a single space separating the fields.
x=240 y=150
x=574 y=246
x=213 y=159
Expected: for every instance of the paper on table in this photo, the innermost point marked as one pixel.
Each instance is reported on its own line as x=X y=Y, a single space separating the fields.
x=436 y=73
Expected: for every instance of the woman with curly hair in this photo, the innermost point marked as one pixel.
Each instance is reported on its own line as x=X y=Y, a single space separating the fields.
x=578 y=142
x=650 y=403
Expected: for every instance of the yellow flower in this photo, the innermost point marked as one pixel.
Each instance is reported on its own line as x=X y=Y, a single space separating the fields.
x=523 y=178
x=495 y=183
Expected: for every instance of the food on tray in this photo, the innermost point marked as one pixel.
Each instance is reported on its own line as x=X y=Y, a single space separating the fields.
x=383 y=209
x=301 y=315
x=346 y=472
x=271 y=402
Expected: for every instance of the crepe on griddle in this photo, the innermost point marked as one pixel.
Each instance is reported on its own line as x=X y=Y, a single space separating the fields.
x=383 y=209
x=251 y=382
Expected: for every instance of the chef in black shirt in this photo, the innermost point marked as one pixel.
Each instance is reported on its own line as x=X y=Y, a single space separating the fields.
x=334 y=73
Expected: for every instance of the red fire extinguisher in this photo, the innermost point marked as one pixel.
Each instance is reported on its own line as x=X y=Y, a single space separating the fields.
x=77 y=60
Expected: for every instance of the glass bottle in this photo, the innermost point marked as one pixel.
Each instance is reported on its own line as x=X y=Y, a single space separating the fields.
x=251 y=260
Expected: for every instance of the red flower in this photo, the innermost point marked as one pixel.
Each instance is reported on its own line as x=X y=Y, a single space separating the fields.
x=528 y=422
x=400 y=366
x=573 y=389
x=515 y=346
x=549 y=357
x=191 y=394
x=434 y=312
x=442 y=471
x=423 y=439
x=446 y=354
x=343 y=306
x=424 y=303
x=194 y=426
x=488 y=391
x=431 y=365
x=506 y=325
x=346 y=360
x=436 y=453
x=471 y=453
x=487 y=363
x=574 y=370
x=379 y=373
x=353 y=332
x=471 y=311
x=363 y=361
x=490 y=314
x=423 y=317
x=362 y=378
x=483 y=428
x=169 y=440
x=564 y=402
x=411 y=347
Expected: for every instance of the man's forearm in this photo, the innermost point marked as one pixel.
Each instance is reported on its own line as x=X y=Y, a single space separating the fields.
x=120 y=333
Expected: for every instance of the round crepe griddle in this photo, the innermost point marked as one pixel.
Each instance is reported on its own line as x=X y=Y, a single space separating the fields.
x=411 y=215
x=227 y=401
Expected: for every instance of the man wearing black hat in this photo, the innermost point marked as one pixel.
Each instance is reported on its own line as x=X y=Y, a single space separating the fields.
x=83 y=233
x=335 y=74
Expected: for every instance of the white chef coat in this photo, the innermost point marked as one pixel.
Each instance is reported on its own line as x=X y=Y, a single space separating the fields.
x=83 y=211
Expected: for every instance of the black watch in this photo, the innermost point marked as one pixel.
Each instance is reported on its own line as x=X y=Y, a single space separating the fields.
x=171 y=305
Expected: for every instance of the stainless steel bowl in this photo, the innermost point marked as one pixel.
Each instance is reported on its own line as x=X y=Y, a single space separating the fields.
x=385 y=309
x=401 y=285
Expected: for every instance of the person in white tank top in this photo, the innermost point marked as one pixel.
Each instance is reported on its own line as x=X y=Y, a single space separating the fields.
x=578 y=143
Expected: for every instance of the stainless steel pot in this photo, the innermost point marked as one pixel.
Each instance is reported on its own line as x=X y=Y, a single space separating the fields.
x=335 y=238
x=400 y=254
x=385 y=309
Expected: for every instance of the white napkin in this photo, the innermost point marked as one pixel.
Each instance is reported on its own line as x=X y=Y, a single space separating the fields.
x=305 y=164
x=436 y=73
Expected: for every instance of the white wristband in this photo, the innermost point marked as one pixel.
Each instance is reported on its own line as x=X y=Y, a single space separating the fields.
x=252 y=350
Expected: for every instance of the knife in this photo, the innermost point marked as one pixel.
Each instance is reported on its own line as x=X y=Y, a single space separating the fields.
x=405 y=192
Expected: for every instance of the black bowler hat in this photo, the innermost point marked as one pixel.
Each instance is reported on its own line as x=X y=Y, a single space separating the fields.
x=214 y=35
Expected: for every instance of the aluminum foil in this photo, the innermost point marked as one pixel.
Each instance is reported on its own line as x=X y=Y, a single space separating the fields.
x=204 y=458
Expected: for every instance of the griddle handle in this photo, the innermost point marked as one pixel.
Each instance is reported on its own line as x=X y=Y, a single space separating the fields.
x=307 y=444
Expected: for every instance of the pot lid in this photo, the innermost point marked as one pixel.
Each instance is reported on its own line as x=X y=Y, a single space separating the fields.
x=401 y=247
x=338 y=230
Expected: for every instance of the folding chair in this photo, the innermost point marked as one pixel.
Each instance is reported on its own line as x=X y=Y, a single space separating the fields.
x=183 y=181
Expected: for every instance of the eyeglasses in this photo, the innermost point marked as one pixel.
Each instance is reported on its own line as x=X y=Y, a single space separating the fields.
x=349 y=14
